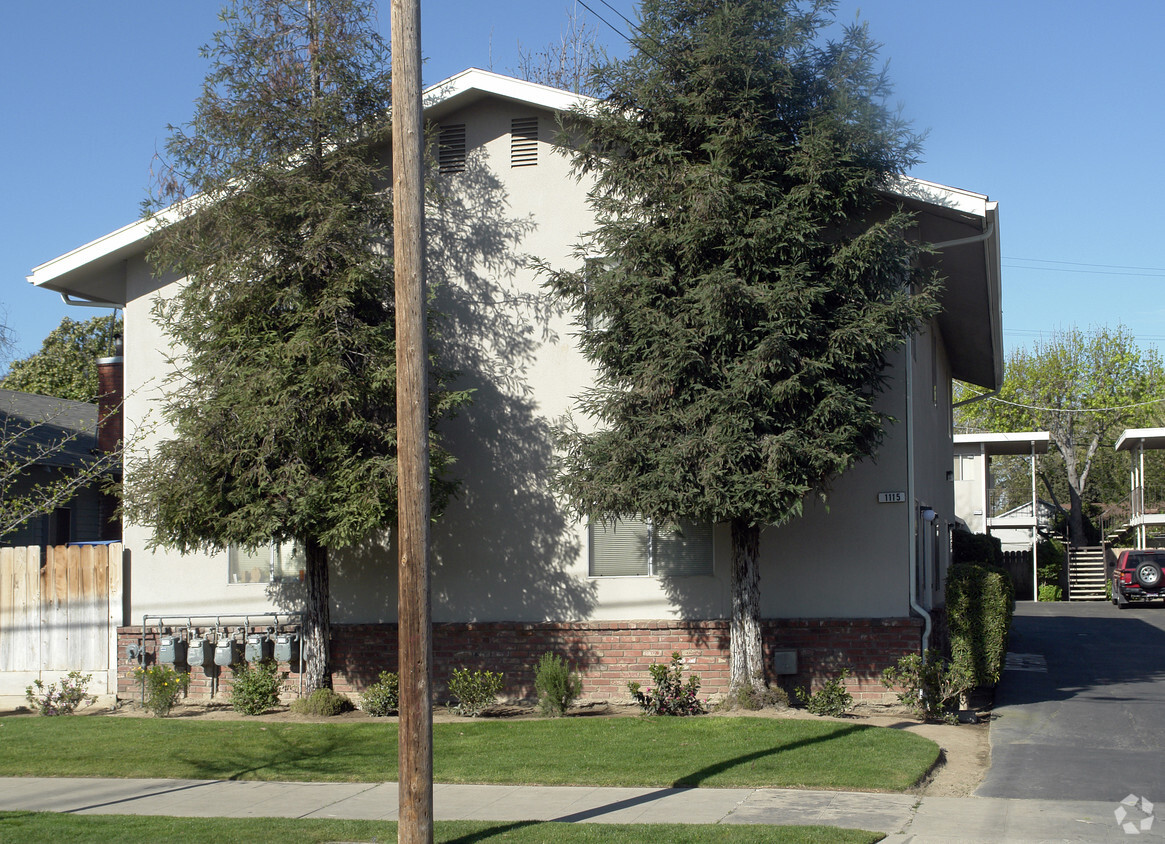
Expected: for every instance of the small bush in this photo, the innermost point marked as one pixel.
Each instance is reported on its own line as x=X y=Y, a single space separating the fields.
x=928 y=688
x=831 y=699
x=977 y=548
x=557 y=686
x=476 y=691
x=746 y=697
x=49 y=700
x=382 y=697
x=671 y=695
x=162 y=686
x=256 y=687
x=1048 y=592
x=980 y=601
x=322 y=702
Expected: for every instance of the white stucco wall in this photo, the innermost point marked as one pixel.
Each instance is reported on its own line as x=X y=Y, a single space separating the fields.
x=505 y=550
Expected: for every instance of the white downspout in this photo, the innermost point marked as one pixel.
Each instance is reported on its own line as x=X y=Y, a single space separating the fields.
x=913 y=516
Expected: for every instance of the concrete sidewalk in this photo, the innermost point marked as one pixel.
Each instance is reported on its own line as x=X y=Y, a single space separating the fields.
x=902 y=817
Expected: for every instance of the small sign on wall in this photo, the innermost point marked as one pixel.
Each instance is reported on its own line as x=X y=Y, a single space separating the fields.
x=891 y=497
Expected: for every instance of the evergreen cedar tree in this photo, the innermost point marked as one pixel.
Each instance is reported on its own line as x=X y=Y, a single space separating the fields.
x=1084 y=388
x=282 y=388
x=747 y=274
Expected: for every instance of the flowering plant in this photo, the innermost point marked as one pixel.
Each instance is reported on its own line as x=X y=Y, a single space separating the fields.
x=162 y=686
x=671 y=696
x=49 y=700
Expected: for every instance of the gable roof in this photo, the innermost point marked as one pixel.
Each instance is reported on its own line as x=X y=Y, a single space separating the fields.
x=963 y=226
x=47 y=431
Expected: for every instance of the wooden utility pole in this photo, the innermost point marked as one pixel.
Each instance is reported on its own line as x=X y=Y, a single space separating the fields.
x=412 y=413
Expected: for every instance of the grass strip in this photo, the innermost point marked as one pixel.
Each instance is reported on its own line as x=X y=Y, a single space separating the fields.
x=647 y=752
x=52 y=828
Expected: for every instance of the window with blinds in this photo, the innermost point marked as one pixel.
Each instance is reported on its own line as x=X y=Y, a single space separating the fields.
x=269 y=563
x=637 y=548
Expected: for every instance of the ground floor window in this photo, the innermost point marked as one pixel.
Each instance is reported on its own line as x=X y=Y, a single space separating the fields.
x=268 y=563
x=638 y=548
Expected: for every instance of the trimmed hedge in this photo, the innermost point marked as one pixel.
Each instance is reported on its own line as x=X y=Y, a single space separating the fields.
x=980 y=602
x=977 y=548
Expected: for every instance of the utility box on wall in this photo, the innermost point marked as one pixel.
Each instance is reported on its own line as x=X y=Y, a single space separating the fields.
x=785 y=662
x=172 y=650
x=286 y=647
x=200 y=651
x=226 y=652
x=258 y=647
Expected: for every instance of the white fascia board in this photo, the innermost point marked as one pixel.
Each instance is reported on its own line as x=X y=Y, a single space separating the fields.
x=130 y=239
x=475 y=80
x=1011 y=442
x=1151 y=438
x=943 y=196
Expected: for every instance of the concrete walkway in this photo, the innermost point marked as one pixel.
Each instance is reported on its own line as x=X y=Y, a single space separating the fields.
x=902 y=817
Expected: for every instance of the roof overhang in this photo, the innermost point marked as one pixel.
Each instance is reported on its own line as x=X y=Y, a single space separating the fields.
x=1022 y=442
x=1151 y=438
x=963 y=230
x=962 y=225
x=95 y=272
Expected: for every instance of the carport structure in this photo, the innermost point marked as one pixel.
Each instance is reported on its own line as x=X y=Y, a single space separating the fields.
x=1135 y=441
x=972 y=475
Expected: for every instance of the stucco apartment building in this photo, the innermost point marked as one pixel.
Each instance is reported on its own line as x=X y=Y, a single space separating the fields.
x=855 y=584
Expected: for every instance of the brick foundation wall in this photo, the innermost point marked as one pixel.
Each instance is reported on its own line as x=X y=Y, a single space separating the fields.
x=607 y=654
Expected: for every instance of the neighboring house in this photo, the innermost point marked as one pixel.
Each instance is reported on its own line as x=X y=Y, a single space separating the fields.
x=47 y=439
x=852 y=583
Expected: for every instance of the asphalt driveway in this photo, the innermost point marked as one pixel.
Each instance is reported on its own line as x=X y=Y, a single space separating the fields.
x=1080 y=710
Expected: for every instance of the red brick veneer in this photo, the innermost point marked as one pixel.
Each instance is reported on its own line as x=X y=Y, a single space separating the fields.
x=608 y=654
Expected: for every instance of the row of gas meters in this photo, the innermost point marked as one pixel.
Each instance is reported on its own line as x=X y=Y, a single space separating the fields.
x=225 y=650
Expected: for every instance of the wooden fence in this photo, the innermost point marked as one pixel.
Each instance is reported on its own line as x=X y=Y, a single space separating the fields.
x=60 y=608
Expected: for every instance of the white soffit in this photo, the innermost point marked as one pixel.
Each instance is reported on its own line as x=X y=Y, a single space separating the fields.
x=1020 y=442
x=1151 y=438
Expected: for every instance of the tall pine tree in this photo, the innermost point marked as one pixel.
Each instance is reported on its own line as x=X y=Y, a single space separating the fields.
x=752 y=277
x=274 y=210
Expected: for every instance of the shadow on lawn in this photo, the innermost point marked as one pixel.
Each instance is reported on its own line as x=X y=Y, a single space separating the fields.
x=699 y=776
x=492 y=832
x=302 y=754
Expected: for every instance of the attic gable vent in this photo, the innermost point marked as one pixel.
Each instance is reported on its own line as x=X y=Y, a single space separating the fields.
x=451 y=149
x=524 y=142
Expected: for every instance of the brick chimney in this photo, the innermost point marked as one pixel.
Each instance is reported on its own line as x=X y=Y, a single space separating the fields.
x=111 y=396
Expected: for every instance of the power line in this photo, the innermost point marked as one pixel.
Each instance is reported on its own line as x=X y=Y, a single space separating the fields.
x=1070 y=409
x=1082 y=264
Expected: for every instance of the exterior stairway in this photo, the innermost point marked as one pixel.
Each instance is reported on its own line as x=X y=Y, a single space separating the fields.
x=1086 y=574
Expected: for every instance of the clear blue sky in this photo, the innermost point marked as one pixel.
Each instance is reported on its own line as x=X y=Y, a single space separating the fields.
x=1052 y=107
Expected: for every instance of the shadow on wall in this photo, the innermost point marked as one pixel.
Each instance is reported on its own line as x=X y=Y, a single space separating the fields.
x=504 y=549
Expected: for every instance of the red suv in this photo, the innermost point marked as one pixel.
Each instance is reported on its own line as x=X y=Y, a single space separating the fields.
x=1137 y=577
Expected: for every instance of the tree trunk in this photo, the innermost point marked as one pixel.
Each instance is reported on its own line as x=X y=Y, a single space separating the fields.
x=1076 y=537
x=317 y=619
x=747 y=663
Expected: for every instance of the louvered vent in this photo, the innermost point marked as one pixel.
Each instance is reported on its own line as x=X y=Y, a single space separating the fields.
x=451 y=149
x=524 y=142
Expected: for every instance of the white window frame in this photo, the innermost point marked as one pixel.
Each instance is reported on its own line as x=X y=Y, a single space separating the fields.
x=655 y=567
x=279 y=557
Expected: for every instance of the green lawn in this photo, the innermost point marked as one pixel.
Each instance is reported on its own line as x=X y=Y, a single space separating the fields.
x=51 y=828
x=648 y=752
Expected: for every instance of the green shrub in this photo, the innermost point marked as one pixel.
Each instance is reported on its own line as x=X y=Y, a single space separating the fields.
x=831 y=699
x=476 y=691
x=930 y=689
x=49 y=700
x=980 y=601
x=162 y=687
x=978 y=548
x=1050 y=592
x=322 y=702
x=671 y=695
x=1049 y=561
x=382 y=697
x=557 y=686
x=255 y=688
x=746 y=697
